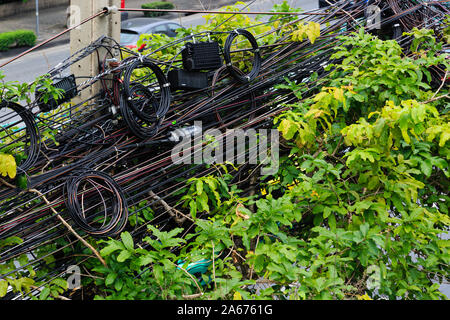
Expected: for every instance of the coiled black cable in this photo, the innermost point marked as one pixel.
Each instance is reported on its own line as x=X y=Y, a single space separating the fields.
x=32 y=138
x=141 y=129
x=151 y=96
x=115 y=211
x=256 y=66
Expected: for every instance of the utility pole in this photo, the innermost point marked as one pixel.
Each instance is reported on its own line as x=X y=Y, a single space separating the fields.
x=81 y=37
x=37 y=19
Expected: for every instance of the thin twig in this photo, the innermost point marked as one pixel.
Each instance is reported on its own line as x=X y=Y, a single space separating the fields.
x=172 y=211
x=195 y=281
x=69 y=227
x=213 y=266
x=442 y=84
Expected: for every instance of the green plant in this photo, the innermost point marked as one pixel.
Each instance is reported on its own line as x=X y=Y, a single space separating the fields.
x=136 y=273
x=15 y=91
x=157 y=5
x=17 y=38
x=357 y=208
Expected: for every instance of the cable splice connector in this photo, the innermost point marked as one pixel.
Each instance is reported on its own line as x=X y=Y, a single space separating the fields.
x=111 y=9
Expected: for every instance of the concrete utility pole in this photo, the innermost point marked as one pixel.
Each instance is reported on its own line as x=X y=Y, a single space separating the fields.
x=84 y=35
x=37 y=19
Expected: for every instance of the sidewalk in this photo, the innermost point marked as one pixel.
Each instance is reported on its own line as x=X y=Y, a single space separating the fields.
x=53 y=20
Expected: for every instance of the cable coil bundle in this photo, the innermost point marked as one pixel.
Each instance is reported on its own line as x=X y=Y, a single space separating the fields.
x=31 y=137
x=256 y=66
x=144 y=106
x=115 y=213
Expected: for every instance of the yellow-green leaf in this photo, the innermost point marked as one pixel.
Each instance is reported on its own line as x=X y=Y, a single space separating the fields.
x=8 y=166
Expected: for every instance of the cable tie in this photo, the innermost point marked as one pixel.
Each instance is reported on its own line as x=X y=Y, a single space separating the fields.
x=165 y=85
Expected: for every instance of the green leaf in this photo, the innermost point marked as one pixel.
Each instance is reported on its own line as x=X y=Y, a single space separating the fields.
x=7 y=165
x=118 y=284
x=364 y=229
x=124 y=255
x=3 y=288
x=199 y=187
x=112 y=246
x=127 y=240
x=332 y=222
x=60 y=282
x=110 y=278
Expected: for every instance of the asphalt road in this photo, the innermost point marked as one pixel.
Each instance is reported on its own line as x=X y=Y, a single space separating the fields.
x=27 y=68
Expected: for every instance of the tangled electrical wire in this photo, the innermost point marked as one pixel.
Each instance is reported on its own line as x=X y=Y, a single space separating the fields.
x=26 y=138
x=256 y=64
x=113 y=212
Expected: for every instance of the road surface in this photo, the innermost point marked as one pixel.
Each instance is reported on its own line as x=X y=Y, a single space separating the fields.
x=27 y=68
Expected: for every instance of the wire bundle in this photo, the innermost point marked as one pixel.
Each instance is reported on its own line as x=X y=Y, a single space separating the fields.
x=114 y=215
x=144 y=106
x=89 y=135
x=256 y=65
x=31 y=137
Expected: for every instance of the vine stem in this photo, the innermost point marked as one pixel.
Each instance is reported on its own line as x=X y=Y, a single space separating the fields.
x=442 y=84
x=172 y=211
x=195 y=281
x=69 y=227
x=214 y=269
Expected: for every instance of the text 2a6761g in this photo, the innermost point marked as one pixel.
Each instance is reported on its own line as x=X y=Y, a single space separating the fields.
x=246 y=309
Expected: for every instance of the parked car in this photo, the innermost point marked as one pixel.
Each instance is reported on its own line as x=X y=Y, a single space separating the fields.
x=324 y=3
x=132 y=29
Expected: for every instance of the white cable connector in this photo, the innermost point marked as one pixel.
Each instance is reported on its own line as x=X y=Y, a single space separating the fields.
x=112 y=9
x=178 y=134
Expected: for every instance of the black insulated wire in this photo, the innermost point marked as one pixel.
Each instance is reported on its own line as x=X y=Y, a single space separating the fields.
x=150 y=95
x=115 y=209
x=32 y=136
x=256 y=65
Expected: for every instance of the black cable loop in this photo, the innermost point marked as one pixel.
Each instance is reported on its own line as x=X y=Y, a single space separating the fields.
x=163 y=96
x=32 y=132
x=139 y=128
x=250 y=76
x=116 y=215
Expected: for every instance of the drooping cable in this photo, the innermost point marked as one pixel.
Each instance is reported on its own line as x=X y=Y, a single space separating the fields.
x=256 y=65
x=86 y=194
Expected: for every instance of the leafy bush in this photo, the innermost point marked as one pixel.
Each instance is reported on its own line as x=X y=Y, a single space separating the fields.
x=17 y=38
x=356 y=210
x=156 y=5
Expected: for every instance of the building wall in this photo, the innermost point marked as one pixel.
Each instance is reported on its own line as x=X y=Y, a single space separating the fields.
x=13 y=8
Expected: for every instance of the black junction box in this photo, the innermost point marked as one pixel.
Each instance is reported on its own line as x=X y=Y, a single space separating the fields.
x=201 y=56
x=187 y=80
x=67 y=84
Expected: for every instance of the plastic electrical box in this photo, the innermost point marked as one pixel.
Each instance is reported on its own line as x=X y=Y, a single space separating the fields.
x=187 y=80
x=201 y=56
x=67 y=84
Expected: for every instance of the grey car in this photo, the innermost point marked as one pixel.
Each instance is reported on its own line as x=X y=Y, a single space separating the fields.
x=132 y=29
